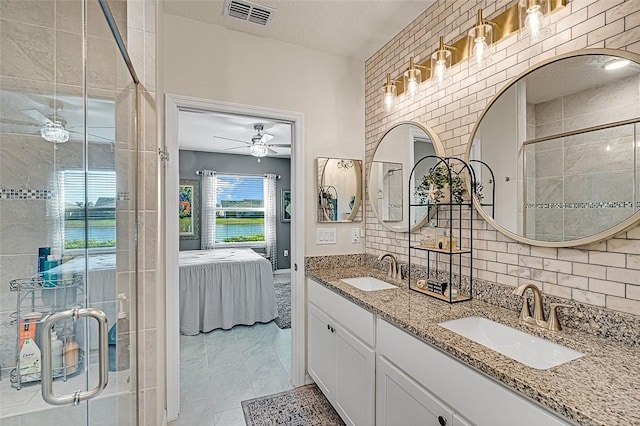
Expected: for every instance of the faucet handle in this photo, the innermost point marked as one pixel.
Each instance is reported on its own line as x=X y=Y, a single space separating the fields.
x=553 y=323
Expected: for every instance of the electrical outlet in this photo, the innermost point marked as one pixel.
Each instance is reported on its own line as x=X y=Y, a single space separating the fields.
x=355 y=235
x=286 y=253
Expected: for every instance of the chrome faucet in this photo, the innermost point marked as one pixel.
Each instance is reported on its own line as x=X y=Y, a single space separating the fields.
x=538 y=314
x=394 y=268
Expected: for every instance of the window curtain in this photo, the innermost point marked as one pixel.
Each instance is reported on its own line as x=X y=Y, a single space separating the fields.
x=208 y=210
x=269 y=189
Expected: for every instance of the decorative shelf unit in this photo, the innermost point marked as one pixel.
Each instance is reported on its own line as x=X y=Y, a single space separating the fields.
x=47 y=296
x=446 y=262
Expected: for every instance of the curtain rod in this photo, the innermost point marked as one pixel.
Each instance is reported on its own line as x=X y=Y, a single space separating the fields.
x=199 y=172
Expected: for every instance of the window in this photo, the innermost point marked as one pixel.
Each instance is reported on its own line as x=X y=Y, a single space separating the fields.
x=100 y=209
x=240 y=209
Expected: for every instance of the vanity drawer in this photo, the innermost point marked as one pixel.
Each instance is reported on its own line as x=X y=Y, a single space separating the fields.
x=354 y=318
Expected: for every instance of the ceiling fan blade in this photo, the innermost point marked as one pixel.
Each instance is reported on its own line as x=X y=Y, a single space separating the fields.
x=272 y=151
x=36 y=115
x=235 y=140
x=236 y=147
x=18 y=122
x=266 y=138
x=93 y=136
x=280 y=145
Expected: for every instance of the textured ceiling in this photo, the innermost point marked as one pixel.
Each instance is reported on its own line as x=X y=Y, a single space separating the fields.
x=348 y=28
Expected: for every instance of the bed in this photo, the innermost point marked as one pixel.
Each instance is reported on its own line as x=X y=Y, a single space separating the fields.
x=224 y=287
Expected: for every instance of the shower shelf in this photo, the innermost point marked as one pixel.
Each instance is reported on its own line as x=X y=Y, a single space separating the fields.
x=46 y=294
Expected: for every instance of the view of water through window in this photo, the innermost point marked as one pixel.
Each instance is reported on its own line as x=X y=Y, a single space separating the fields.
x=240 y=209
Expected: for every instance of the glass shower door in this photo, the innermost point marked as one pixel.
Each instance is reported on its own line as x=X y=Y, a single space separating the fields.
x=68 y=152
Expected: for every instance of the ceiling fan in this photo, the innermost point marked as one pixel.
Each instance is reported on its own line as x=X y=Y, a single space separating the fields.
x=259 y=145
x=53 y=127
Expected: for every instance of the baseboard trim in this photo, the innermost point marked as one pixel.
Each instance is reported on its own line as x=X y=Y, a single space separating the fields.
x=164 y=418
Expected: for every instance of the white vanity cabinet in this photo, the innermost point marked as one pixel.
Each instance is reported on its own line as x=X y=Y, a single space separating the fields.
x=472 y=397
x=341 y=354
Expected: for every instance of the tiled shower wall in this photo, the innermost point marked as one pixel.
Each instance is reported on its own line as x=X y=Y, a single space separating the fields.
x=604 y=274
x=141 y=44
x=586 y=178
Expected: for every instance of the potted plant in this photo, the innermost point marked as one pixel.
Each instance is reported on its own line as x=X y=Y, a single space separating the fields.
x=443 y=185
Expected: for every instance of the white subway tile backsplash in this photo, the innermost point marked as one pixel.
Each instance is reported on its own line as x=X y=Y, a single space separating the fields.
x=590 y=298
x=624 y=305
x=601 y=274
x=606 y=287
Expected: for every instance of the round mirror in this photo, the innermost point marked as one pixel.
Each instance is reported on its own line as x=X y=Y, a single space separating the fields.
x=563 y=141
x=388 y=184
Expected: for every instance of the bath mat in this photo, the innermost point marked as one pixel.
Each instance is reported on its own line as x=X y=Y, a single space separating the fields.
x=303 y=406
x=283 y=300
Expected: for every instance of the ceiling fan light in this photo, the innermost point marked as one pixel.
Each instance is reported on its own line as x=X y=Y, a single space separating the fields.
x=258 y=150
x=54 y=132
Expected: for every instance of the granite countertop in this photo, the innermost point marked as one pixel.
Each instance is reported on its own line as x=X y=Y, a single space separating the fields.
x=601 y=388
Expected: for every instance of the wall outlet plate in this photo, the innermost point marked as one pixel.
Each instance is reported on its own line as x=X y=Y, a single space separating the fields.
x=355 y=235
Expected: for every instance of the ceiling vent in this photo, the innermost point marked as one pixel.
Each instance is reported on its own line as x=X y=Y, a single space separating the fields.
x=248 y=11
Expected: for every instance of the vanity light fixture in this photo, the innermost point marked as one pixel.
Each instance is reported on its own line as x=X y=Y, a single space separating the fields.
x=616 y=64
x=389 y=94
x=532 y=14
x=440 y=62
x=480 y=40
x=412 y=79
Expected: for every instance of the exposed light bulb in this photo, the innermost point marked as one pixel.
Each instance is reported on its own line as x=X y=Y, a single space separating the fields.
x=412 y=87
x=480 y=49
x=388 y=94
x=389 y=101
x=533 y=21
x=440 y=71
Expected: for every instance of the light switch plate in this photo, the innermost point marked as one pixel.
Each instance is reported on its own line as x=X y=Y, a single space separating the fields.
x=326 y=236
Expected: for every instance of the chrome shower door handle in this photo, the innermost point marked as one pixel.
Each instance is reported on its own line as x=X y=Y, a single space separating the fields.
x=47 y=364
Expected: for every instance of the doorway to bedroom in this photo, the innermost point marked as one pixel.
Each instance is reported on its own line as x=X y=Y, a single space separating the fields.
x=236 y=179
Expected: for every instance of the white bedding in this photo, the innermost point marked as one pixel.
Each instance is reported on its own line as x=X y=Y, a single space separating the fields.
x=224 y=287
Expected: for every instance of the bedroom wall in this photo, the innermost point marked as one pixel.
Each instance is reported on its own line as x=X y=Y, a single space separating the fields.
x=605 y=274
x=246 y=69
x=190 y=161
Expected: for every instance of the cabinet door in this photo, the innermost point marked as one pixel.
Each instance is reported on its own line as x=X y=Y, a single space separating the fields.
x=400 y=401
x=321 y=350
x=355 y=379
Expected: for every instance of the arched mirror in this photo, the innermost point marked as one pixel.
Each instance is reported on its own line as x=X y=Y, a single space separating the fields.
x=339 y=189
x=388 y=183
x=563 y=140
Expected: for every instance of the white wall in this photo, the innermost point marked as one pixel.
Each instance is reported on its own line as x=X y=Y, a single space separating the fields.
x=212 y=62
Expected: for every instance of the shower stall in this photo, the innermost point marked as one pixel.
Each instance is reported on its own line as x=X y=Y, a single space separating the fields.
x=69 y=109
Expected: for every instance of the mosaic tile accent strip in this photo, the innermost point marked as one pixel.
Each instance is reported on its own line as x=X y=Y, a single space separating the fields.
x=124 y=196
x=602 y=205
x=25 y=194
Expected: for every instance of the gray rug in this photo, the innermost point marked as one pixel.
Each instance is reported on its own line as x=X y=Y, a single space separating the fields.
x=303 y=406
x=283 y=300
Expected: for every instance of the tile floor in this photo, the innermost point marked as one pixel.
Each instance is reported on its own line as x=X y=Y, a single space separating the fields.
x=220 y=369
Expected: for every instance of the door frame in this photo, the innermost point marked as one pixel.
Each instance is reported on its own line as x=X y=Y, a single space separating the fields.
x=173 y=104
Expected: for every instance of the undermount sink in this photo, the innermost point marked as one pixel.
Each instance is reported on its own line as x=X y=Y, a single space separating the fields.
x=530 y=350
x=368 y=283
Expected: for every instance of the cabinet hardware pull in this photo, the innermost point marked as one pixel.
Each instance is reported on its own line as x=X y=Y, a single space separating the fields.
x=442 y=421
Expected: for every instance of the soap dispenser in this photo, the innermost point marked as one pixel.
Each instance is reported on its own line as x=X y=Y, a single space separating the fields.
x=118 y=339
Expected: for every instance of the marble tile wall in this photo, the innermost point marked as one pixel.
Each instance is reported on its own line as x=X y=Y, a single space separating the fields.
x=603 y=274
x=41 y=43
x=591 y=167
